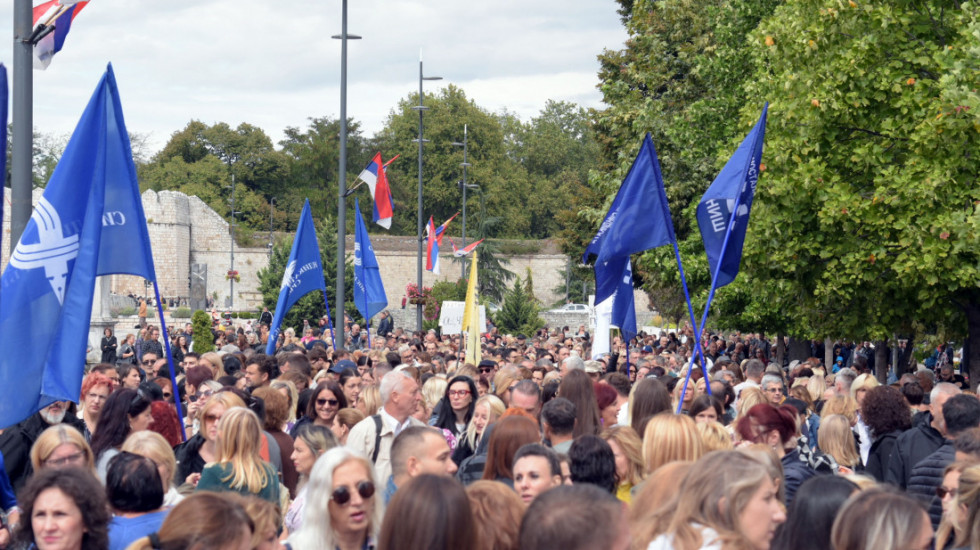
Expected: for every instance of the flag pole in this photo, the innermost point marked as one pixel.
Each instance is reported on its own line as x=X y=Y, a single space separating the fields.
x=170 y=360
x=711 y=293
x=329 y=319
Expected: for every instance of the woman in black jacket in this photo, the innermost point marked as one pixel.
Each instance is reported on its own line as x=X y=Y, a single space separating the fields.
x=109 y=347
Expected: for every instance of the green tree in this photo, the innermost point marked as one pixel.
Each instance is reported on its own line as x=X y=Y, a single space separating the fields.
x=519 y=312
x=203 y=342
x=492 y=276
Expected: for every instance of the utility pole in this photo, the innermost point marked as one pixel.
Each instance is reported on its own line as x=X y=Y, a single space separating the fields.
x=421 y=109
x=23 y=119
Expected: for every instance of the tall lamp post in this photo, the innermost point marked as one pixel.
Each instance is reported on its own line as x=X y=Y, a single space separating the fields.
x=421 y=109
x=231 y=268
x=272 y=206
x=342 y=179
x=464 y=186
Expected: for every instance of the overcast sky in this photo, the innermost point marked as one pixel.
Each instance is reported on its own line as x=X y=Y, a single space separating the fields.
x=273 y=64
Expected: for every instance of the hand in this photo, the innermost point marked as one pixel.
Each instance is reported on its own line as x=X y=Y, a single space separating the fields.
x=4 y=537
x=193 y=479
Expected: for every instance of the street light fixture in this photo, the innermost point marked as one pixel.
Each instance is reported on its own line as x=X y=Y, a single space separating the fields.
x=420 y=108
x=272 y=206
x=231 y=269
x=464 y=186
x=342 y=179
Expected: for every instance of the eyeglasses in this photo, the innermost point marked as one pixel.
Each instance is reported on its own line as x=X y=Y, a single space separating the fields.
x=458 y=393
x=148 y=362
x=510 y=389
x=341 y=495
x=212 y=418
x=941 y=492
x=331 y=402
x=96 y=397
x=65 y=461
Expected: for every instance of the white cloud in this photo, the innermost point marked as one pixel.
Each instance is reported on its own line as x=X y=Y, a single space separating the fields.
x=273 y=64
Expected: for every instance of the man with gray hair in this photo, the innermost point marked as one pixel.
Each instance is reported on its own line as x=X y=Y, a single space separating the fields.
x=772 y=386
x=571 y=362
x=753 y=376
x=373 y=436
x=927 y=435
x=843 y=380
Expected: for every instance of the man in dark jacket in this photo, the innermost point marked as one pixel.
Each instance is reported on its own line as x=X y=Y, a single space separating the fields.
x=17 y=440
x=962 y=412
x=922 y=440
x=385 y=325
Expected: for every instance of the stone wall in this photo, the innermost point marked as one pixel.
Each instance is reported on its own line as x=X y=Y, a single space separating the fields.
x=184 y=230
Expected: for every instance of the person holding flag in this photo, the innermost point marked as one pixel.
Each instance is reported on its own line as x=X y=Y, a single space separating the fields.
x=304 y=274
x=369 y=292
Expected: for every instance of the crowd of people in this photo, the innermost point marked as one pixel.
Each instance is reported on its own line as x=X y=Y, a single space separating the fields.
x=401 y=445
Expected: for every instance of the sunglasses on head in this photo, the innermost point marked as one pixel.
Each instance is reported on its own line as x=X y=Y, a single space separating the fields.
x=341 y=495
x=331 y=402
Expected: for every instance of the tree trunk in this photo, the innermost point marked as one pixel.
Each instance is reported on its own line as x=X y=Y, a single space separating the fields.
x=780 y=349
x=799 y=350
x=906 y=357
x=881 y=360
x=828 y=354
x=972 y=310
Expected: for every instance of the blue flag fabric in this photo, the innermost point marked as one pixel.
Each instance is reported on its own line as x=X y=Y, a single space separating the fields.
x=732 y=190
x=304 y=273
x=3 y=139
x=49 y=284
x=615 y=278
x=635 y=221
x=369 y=292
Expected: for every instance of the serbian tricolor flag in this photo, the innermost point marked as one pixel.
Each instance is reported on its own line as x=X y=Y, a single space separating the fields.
x=460 y=252
x=435 y=235
x=374 y=175
x=58 y=14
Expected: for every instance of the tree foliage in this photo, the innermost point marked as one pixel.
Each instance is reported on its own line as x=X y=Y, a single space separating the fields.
x=520 y=311
x=203 y=340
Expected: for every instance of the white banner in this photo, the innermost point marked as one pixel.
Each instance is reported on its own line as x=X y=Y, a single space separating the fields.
x=451 y=317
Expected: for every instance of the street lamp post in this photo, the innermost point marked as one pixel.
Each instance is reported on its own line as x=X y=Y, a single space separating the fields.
x=464 y=186
x=272 y=205
x=231 y=269
x=420 y=108
x=342 y=178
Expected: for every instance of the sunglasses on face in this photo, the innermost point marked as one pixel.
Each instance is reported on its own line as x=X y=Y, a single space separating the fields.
x=485 y=370
x=331 y=402
x=148 y=363
x=342 y=495
x=941 y=492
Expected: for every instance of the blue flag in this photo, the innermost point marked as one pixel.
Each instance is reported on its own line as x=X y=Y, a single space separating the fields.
x=638 y=219
x=49 y=284
x=3 y=139
x=732 y=190
x=369 y=292
x=615 y=278
x=304 y=273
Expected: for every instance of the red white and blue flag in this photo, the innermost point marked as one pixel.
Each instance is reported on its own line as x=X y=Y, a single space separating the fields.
x=460 y=252
x=374 y=175
x=435 y=235
x=58 y=14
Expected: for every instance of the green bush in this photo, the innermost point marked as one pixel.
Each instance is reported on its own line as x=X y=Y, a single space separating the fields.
x=123 y=311
x=181 y=313
x=201 y=322
x=518 y=248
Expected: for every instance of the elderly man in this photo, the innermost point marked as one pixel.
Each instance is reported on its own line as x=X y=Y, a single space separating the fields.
x=16 y=441
x=374 y=436
x=772 y=385
x=418 y=450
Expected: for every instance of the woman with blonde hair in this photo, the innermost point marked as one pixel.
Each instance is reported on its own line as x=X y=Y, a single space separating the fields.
x=659 y=489
x=202 y=448
x=239 y=467
x=836 y=439
x=487 y=410
x=954 y=513
x=61 y=445
x=669 y=437
x=343 y=509
x=502 y=382
x=726 y=500
x=715 y=436
x=288 y=389
x=861 y=385
x=369 y=402
x=153 y=446
x=628 y=450
x=213 y=361
x=311 y=442
x=433 y=390
x=844 y=405
x=815 y=386
x=880 y=518
x=748 y=398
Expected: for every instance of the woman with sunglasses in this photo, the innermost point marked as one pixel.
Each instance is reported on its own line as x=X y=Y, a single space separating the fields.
x=202 y=448
x=126 y=411
x=341 y=488
x=239 y=467
x=328 y=398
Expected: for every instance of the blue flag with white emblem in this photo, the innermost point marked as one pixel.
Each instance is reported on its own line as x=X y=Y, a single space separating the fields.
x=304 y=273
x=732 y=190
x=49 y=284
x=369 y=292
x=615 y=278
x=638 y=219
